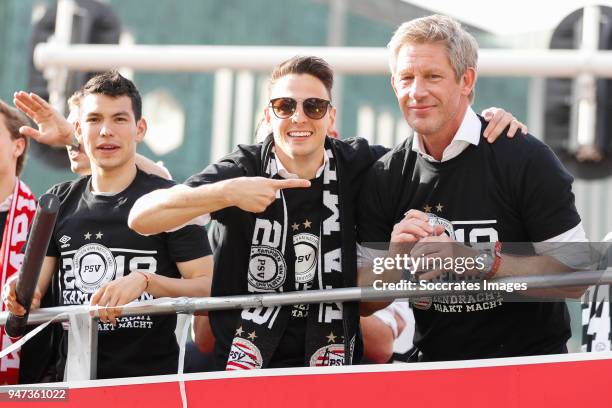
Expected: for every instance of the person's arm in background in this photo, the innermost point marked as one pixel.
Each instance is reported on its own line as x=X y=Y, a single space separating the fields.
x=149 y=166
x=53 y=128
x=203 y=336
x=377 y=340
x=380 y=331
x=498 y=119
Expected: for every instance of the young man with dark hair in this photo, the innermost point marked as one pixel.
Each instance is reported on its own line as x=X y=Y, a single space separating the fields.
x=95 y=258
x=53 y=128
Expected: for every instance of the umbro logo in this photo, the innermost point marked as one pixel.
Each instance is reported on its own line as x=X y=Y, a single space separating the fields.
x=64 y=241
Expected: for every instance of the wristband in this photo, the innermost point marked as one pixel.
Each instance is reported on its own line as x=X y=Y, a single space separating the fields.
x=146 y=276
x=496 y=261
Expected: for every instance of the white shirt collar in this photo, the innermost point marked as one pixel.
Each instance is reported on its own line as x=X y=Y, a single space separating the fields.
x=468 y=133
x=284 y=173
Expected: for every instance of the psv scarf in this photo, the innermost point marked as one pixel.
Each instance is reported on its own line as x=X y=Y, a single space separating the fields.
x=20 y=215
x=260 y=329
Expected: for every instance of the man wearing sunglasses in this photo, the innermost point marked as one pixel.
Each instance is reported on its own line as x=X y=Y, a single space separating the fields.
x=285 y=212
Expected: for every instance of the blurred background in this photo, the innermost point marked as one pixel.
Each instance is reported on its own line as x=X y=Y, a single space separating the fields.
x=196 y=117
x=197 y=114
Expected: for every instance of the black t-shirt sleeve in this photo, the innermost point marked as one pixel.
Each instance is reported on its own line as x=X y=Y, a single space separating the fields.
x=188 y=243
x=223 y=170
x=378 y=151
x=215 y=172
x=546 y=201
x=52 y=249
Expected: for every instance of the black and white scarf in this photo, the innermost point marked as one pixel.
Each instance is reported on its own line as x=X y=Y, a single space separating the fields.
x=260 y=329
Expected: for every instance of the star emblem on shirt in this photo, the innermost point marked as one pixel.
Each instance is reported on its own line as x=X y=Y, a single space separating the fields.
x=87 y=235
x=252 y=335
x=239 y=331
x=439 y=207
x=427 y=208
x=295 y=226
x=307 y=224
x=99 y=235
x=331 y=338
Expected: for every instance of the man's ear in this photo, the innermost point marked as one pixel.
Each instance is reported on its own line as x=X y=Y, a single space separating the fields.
x=77 y=128
x=469 y=80
x=393 y=85
x=20 y=145
x=332 y=120
x=266 y=112
x=141 y=127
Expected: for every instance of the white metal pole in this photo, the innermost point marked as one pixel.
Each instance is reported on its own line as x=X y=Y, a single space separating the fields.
x=583 y=140
x=82 y=356
x=336 y=27
x=348 y=60
x=57 y=75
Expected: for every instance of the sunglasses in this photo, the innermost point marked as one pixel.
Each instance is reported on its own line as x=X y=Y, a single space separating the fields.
x=314 y=108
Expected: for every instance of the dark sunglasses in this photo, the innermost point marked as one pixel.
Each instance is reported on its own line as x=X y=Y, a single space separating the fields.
x=314 y=108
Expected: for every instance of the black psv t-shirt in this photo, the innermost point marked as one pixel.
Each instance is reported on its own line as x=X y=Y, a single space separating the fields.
x=510 y=191
x=95 y=246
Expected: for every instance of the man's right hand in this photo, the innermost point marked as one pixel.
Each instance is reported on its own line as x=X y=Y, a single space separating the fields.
x=413 y=227
x=9 y=297
x=53 y=128
x=255 y=194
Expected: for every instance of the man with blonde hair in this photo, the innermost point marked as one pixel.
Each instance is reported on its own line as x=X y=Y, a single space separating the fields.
x=444 y=185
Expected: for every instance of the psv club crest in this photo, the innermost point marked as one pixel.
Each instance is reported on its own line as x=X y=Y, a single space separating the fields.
x=330 y=355
x=305 y=246
x=94 y=266
x=244 y=355
x=267 y=268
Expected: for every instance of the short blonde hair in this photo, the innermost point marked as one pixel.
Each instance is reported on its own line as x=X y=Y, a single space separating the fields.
x=461 y=46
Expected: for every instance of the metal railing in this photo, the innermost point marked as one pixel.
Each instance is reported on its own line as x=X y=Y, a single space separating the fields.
x=344 y=60
x=81 y=363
